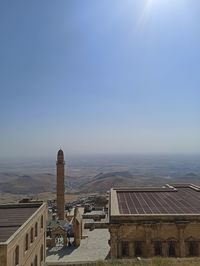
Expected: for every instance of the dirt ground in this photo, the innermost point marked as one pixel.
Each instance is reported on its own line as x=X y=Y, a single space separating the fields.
x=6 y=198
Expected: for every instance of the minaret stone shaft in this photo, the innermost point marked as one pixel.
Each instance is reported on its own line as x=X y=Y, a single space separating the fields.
x=60 y=185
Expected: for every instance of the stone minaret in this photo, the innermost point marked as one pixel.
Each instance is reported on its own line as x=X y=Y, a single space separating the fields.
x=60 y=185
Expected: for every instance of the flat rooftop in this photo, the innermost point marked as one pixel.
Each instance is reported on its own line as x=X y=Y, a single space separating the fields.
x=12 y=217
x=170 y=199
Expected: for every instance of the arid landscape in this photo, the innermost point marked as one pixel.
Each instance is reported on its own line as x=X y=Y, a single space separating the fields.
x=37 y=178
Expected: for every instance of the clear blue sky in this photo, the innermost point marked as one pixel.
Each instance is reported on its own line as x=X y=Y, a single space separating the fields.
x=99 y=76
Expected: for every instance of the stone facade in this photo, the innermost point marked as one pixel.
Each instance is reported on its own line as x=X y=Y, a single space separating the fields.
x=164 y=238
x=27 y=246
x=148 y=235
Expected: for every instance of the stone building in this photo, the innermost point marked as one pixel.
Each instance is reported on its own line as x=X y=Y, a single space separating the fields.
x=77 y=226
x=60 y=185
x=146 y=222
x=55 y=232
x=23 y=234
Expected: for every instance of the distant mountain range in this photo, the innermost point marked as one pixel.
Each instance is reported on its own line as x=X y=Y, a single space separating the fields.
x=103 y=182
x=27 y=184
x=46 y=182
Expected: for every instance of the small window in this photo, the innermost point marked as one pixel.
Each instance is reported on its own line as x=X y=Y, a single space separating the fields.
x=125 y=249
x=17 y=255
x=193 y=248
x=26 y=242
x=138 y=248
x=36 y=261
x=42 y=222
x=41 y=254
x=32 y=235
x=158 y=248
x=36 y=229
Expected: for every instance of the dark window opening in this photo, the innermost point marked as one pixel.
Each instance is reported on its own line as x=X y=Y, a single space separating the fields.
x=26 y=242
x=36 y=261
x=41 y=254
x=138 y=248
x=171 y=249
x=36 y=230
x=31 y=235
x=17 y=255
x=193 y=249
x=125 y=249
x=42 y=222
x=158 y=248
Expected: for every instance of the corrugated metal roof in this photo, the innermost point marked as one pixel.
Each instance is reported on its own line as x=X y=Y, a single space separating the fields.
x=185 y=200
x=12 y=218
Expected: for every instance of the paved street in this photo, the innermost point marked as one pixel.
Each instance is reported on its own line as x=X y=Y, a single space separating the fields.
x=94 y=247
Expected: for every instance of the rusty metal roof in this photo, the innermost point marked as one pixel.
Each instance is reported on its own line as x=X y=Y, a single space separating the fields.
x=12 y=217
x=183 y=200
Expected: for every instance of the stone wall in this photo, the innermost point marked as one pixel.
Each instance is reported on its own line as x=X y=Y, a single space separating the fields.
x=3 y=255
x=18 y=239
x=168 y=239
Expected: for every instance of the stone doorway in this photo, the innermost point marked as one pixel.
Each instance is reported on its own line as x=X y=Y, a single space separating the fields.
x=59 y=240
x=59 y=237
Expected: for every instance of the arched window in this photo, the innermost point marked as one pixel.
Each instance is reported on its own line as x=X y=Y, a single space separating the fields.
x=125 y=249
x=26 y=242
x=42 y=222
x=17 y=255
x=193 y=248
x=36 y=229
x=32 y=235
x=171 y=249
x=41 y=254
x=158 y=248
x=138 y=248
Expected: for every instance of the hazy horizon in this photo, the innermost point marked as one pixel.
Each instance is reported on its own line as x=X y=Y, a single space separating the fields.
x=99 y=77
x=94 y=156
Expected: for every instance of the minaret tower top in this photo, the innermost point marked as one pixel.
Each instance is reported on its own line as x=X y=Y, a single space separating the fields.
x=60 y=157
